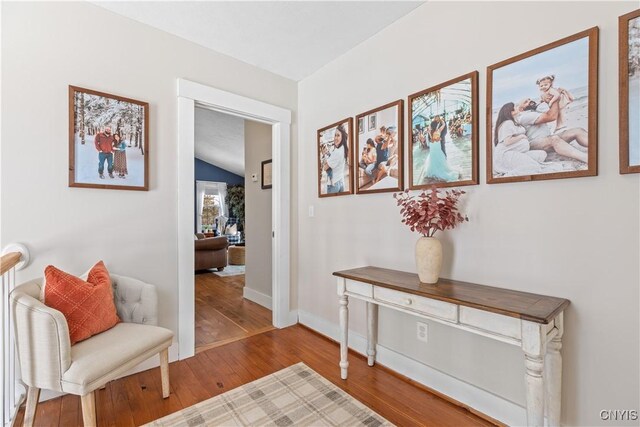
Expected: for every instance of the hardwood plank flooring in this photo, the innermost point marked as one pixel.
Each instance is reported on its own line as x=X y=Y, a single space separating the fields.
x=136 y=399
x=223 y=315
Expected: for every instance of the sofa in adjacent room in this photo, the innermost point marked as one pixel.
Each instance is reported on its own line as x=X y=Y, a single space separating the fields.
x=210 y=252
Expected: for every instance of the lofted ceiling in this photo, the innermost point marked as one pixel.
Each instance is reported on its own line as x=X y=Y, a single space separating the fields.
x=219 y=140
x=290 y=38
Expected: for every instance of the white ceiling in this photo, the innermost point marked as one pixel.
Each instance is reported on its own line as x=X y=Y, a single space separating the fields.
x=219 y=140
x=289 y=38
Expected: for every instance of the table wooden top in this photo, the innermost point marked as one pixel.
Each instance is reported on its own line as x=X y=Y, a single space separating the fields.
x=522 y=305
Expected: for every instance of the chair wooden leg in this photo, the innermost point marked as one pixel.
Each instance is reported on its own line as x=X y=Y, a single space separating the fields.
x=33 y=394
x=89 y=409
x=164 y=372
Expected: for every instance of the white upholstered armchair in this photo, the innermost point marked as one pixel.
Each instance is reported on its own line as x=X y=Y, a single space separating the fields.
x=47 y=360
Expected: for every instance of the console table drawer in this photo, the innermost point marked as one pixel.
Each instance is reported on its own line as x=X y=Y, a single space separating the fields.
x=491 y=322
x=359 y=288
x=430 y=307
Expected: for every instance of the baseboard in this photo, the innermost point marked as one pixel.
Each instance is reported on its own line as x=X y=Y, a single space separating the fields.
x=257 y=297
x=465 y=393
x=150 y=363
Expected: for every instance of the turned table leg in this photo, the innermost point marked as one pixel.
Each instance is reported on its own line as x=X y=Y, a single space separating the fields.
x=372 y=332
x=553 y=375
x=344 y=335
x=534 y=346
x=535 y=389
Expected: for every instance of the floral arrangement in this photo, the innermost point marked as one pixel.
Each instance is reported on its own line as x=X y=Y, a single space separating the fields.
x=430 y=211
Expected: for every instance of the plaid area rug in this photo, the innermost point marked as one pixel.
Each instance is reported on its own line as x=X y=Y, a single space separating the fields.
x=295 y=396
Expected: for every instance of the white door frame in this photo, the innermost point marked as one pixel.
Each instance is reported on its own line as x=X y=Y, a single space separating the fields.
x=191 y=94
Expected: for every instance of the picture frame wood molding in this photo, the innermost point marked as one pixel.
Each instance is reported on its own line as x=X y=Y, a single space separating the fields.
x=623 y=83
x=400 y=152
x=592 y=117
x=266 y=183
x=72 y=152
x=475 y=132
x=348 y=167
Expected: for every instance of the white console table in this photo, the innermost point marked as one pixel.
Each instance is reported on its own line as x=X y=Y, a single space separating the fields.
x=532 y=322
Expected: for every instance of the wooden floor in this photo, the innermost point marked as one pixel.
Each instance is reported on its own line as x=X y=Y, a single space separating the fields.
x=222 y=314
x=136 y=399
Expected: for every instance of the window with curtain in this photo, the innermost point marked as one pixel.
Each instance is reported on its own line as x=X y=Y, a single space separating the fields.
x=210 y=204
x=210 y=210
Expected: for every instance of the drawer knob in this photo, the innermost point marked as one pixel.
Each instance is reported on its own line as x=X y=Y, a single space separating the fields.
x=408 y=301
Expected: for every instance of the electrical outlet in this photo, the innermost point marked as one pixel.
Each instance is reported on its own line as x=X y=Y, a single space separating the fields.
x=422 y=331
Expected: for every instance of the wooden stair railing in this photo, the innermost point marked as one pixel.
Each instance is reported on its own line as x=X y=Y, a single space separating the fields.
x=8 y=261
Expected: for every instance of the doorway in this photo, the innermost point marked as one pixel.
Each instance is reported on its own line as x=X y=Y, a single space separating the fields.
x=233 y=226
x=190 y=95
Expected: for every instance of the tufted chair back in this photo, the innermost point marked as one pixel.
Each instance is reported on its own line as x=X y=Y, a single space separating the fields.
x=136 y=301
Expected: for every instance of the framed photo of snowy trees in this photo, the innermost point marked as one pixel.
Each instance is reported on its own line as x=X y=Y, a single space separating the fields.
x=108 y=141
x=629 y=45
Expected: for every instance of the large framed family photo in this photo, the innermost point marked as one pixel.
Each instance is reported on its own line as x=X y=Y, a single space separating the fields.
x=542 y=112
x=629 y=67
x=335 y=151
x=443 y=149
x=108 y=141
x=379 y=150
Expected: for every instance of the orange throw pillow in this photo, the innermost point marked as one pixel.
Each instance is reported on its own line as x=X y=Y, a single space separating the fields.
x=87 y=306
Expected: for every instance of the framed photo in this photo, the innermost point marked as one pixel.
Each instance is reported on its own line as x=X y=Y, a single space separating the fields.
x=361 y=125
x=629 y=67
x=443 y=148
x=542 y=112
x=372 y=122
x=266 y=177
x=335 y=151
x=108 y=141
x=379 y=151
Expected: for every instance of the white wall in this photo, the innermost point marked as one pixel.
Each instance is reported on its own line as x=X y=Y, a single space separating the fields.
x=45 y=48
x=572 y=238
x=257 y=147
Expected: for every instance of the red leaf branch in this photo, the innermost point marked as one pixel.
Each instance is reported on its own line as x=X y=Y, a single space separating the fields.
x=430 y=212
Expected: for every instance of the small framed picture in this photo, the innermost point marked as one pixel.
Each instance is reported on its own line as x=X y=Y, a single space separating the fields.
x=542 y=112
x=372 y=122
x=108 y=141
x=361 y=125
x=266 y=177
x=379 y=151
x=335 y=151
x=629 y=68
x=443 y=146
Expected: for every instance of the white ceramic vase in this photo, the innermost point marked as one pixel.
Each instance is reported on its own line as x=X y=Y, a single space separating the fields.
x=428 y=259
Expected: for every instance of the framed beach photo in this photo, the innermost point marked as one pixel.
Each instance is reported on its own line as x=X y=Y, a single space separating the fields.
x=443 y=145
x=372 y=122
x=108 y=141
x=542 y=112
x=266 y=175
x=629 y=68
x=379 y=154
x=335 y=151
